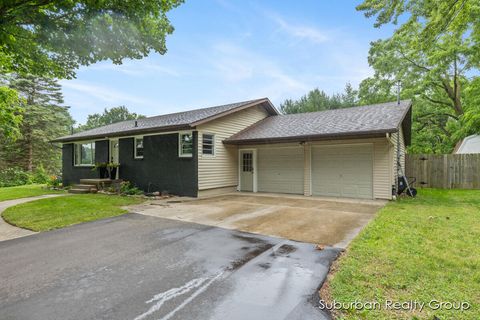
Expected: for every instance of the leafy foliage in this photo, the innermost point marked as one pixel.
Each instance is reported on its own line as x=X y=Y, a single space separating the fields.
x=53 y=38
x=10 y=114
x=109 y=116
x=11 y=177
x=318 y=100
x=432 y=53
x=127 y=188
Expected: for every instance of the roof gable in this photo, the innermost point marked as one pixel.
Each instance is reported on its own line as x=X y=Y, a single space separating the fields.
x=356 y=121
x=173 y=121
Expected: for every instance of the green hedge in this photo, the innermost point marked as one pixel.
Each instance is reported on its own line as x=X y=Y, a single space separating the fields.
x=11 y=177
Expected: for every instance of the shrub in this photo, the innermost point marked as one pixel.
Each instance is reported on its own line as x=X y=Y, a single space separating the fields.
x=40 y=175
x=11 y=177
x=54 y=181
x=127 y=188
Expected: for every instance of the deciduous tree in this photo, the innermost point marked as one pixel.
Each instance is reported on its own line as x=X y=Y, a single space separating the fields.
x=52 y=38
x=318 y=100
x=109 y=116
x=432 y=52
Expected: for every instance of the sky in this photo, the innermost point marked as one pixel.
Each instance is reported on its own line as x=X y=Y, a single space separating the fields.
x=225 y=51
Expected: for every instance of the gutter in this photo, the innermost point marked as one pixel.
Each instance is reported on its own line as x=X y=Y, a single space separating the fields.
x=338 y=136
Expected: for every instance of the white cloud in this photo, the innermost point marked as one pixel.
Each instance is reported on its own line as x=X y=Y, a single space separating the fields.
x=255 y=75
x=105 y=94
x=136 y=68
x=300 y=32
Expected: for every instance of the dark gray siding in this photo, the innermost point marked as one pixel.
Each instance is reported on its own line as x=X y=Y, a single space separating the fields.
x=72 y=174
x=161 y=169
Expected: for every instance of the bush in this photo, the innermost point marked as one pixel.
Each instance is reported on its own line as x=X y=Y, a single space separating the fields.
x=40 y=175
x=127 y=188
x=54 y=181
x=11 y=177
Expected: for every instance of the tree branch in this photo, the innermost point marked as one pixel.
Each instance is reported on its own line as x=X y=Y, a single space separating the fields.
x=411 y=61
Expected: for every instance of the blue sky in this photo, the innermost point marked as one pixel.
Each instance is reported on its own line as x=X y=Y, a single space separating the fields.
x=226 y=51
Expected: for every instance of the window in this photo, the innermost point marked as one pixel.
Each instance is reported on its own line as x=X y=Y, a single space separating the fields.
x=208 y=144
x=138 y=149
x=84 y=153
x=247 y=162
x=185 y=145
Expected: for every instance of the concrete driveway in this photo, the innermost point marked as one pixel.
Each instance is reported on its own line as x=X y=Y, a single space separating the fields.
x=328 y=221
x=141 y=267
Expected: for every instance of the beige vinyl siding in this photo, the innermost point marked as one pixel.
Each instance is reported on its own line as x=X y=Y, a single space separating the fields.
x=382 y=162
x=382 y=169
x=221 y=169
x=402 y=153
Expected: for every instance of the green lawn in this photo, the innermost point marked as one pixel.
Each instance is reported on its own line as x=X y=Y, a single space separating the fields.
x=30 y=190
x=416 y=249
x=54 y=213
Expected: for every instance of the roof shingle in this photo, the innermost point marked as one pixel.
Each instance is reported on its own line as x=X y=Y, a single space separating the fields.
x=371 y=119
x=179 y=120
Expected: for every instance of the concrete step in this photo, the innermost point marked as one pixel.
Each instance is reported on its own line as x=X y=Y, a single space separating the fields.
x=95 y=182
x=78 y=191
x=84 y=186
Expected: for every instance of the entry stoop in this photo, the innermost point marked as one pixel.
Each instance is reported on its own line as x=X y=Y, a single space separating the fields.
x=83 y=188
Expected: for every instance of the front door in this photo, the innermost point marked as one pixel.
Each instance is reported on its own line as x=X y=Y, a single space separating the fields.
x=246 y=170
x=114 y=153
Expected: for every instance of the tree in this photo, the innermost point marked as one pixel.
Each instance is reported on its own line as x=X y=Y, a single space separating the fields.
x=318 y=100
x=44 y=118
x=10 y=114
x=109 y=116
x=53 y=38
x=431 y=53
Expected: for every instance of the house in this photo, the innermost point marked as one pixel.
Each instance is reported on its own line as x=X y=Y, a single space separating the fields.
x=470 y=144
x=249 y=146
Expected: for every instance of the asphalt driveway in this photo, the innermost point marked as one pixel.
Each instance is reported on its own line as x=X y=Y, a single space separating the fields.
x=327 y=221
x=141 y=267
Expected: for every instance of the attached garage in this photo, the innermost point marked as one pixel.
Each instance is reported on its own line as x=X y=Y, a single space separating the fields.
x=350 y=152
x=343 y=171
x=280 y=169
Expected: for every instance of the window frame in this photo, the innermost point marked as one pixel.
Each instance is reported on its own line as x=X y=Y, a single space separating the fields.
x=135 y=155
x=213 y=144
x=78 y=144
x=180 y=149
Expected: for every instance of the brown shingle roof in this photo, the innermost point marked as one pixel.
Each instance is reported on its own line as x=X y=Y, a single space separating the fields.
x=355 y=121
x=173 y=121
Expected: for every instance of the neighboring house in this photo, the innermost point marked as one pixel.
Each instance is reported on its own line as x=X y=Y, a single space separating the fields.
x=248 y=146
x=470 y=144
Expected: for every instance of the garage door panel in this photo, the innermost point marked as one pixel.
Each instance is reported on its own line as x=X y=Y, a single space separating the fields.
x=343 y=171
x=280 y=170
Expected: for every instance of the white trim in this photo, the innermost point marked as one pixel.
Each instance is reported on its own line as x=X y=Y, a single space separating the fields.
x=254 y=163
x=214 y=141
x=135 y=156
x=180 y=154
x=124 y=137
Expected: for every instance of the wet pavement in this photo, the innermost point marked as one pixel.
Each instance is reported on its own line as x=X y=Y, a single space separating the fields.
x=326 y=221
x=140 y=267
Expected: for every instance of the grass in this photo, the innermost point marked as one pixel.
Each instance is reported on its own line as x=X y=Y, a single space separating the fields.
x=30 y=190
x=54 y=213
x=416 y=249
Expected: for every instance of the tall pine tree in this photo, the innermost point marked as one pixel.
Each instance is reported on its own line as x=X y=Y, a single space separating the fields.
x=45 y=117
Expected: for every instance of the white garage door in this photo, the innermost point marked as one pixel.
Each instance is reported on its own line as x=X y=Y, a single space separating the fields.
x=280 y=170
x=343 y=171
